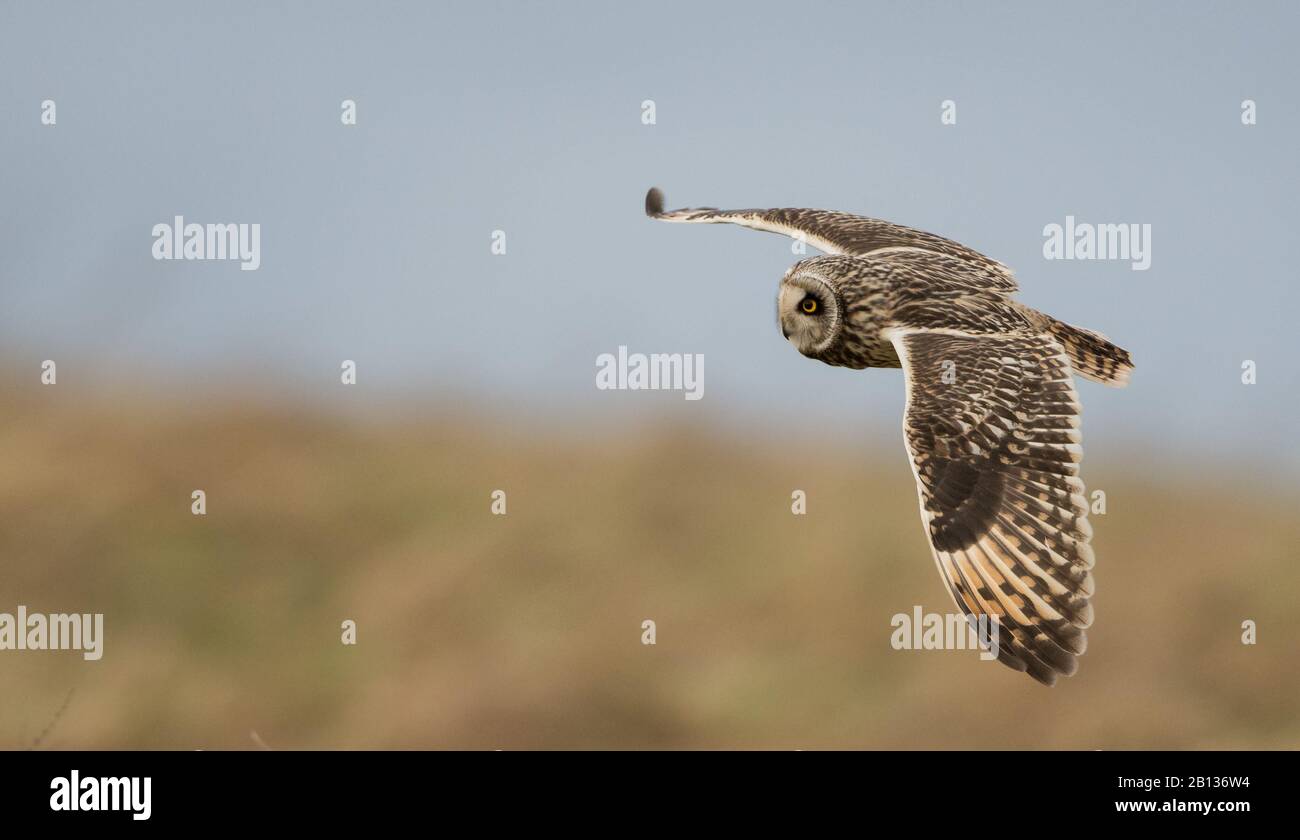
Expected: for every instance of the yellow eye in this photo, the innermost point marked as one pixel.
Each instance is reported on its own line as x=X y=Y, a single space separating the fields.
x=809 y=305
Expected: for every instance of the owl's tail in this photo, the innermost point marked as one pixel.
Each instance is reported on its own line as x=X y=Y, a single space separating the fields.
x=1092 y=355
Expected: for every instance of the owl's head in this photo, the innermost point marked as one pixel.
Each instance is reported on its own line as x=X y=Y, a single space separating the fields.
x=809 y=304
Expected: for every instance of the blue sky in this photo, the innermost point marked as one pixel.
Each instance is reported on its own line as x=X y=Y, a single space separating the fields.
x=526 y=118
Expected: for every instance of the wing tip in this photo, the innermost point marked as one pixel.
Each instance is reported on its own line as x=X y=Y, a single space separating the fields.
x=654 y=203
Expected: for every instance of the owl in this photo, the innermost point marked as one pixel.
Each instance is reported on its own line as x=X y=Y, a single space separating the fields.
x=991 y=423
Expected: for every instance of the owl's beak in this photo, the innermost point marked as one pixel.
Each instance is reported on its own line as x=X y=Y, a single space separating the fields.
x=784 y=332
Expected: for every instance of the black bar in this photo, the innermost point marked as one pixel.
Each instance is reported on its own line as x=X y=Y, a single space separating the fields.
x=205 y=789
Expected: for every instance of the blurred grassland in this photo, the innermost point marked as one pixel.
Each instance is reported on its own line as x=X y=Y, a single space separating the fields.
x=524 y=630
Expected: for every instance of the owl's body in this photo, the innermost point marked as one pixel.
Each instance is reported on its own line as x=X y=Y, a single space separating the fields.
x=992 y=417
x=878 y=296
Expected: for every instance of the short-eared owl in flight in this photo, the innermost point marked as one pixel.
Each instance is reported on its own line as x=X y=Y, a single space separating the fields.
x=992 y=419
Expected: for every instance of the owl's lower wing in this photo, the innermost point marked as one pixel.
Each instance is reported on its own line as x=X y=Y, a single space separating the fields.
x=991 y=426
x=839 y=233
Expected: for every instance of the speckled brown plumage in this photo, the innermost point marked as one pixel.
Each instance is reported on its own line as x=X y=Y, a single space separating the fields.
x=992 y=417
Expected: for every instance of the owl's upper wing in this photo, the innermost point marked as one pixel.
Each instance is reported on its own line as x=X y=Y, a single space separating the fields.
x=992 y=429
x=837 y=233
